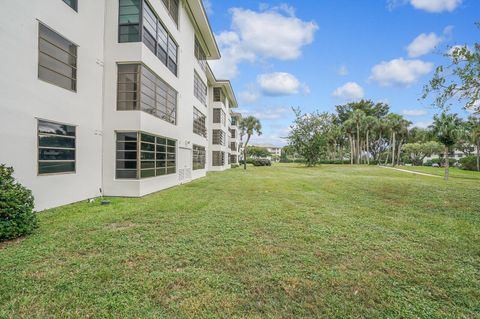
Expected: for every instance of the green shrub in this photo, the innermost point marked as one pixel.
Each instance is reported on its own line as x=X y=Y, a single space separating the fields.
x=469 y=163
x=262 y=162
x=17 y=217
x=235 y=166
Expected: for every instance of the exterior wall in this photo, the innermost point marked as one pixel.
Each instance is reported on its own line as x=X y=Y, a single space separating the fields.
x=26 y=98
x=216 y=126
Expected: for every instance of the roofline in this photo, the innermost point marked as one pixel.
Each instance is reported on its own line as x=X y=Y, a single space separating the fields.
x=202 y=25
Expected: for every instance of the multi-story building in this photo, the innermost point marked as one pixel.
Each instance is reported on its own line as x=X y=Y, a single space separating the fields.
x=111 y=97
x=275 y=151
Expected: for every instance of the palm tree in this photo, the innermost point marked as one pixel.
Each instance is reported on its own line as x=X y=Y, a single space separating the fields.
x=249 y=125
x=357 y=117
x=394 y=124
x=370 y=123
x=447 y=130
x=474 y=128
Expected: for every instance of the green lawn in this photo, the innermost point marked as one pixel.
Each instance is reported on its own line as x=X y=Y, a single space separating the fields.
x=272 y=242
x=440 y=171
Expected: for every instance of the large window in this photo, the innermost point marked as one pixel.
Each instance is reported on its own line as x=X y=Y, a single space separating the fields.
x=233 y=133
x=141 y=155
x=218 y=137
x=129 y=21
x=199 y=89
x=233 y=146
x=153 y=96
x=233 y=159
x=218 y=158
x=154 y=34
x=57 y=59
x=199 y=123
x=56 y=148
x=200 y=55
x=198 y=157
x=219 y=116
x=72 y=3
x=218 y=95
x=172 y=7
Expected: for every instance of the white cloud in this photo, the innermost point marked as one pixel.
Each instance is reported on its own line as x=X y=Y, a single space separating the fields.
x=267 y=114
x=400 y=72
x=248 y=97
x=423 y=44
x=422 y=124
x=432 y=6
x=414 y=112
x=349 y=91
x=207 y=4
x=278 y=83
x=343 y=70
x=275 y=33
x=436 y=6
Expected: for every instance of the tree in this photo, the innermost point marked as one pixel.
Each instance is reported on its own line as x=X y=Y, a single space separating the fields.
x=368 y=107
x=249 y=125
x=473 y=126
x=418 y=151
x=457 y=80
x=308 y=135
x=255 y=151
x=370 y=124
x=447 y=129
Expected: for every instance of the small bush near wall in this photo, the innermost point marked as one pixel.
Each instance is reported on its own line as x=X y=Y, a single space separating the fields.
x=17 y=217
x=469 y=163
x=262 y=162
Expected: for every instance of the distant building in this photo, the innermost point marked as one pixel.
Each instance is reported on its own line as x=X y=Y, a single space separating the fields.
x=274 y=150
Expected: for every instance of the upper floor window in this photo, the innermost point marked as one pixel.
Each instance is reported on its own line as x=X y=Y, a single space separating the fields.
x=172 y=7
x=153 y=34
x=219 y=116
x=200 y=55
x=199 y=123
x=72 y=3
x=56 y=148
x=199 y=89
x=218 y=137
x=218 y=95
x=57 y=59
x=138 y=88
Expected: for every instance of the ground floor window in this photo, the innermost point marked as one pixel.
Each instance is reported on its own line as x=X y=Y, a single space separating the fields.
x=233 y=159
x=218 y=158
x=56 y=148
x=142 y=155
x=198 y=157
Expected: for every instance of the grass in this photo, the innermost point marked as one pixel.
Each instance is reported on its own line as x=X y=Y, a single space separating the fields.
x=273 y=242
x=440 y=171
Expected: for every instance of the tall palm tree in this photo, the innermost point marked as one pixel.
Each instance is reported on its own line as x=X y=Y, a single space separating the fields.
x=370 y=123
x=249 y=126
x=403 y=135
x=447 y=129
x=357 y=117
x=394 y=125
x=474 y=128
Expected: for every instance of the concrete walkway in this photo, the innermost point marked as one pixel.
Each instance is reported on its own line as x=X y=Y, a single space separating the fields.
x=413 y=172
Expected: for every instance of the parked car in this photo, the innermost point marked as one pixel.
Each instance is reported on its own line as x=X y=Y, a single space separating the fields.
x=435 y=165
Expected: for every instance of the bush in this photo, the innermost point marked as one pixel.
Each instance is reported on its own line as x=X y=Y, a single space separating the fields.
x=469 y=163
x=17 y=217
x=440 y=162
x=235 y=166
x=262 y=162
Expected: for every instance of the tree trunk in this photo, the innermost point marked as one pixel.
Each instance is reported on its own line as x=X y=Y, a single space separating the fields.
x=393 y=150
x=447 y=163
x=388 y=153
x=351 y=148
x=368 y=152
x=358 y=144
x=399 y=151
x=245 y=153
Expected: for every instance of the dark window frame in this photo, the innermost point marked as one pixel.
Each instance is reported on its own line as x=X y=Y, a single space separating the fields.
x=73 y=4
x=199 y=157
x=200 y=89
x=199 y=122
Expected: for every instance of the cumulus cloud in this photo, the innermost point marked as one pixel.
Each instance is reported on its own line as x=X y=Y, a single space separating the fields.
x=278 y=84
x=274 y=33
x=414 y=112
x=349 y=91
x=423 y=44
x=400 y=72
x=432 y=6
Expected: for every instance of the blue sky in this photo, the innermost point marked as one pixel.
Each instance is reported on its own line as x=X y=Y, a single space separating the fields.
x=315 y=54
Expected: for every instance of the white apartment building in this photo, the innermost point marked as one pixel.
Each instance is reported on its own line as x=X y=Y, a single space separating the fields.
x=111 y=97
x=272 y=149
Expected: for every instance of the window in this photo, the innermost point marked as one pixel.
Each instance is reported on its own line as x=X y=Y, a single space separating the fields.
x=199 y=89
x=234 y=121
x=218 y=95
x=129 y=21
x=172 y=7
x=57 y=59
x=218 y=137
x=56 y=148
x=233 y=146
x=199 y=125
x=153 y=96
x=218 y=158
x=72 y=3
x=219 y=116
x=233 y=133
x=233 y=159
x=200 y=55
x=141 y=155
x=158 y=40
x=198 y=157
